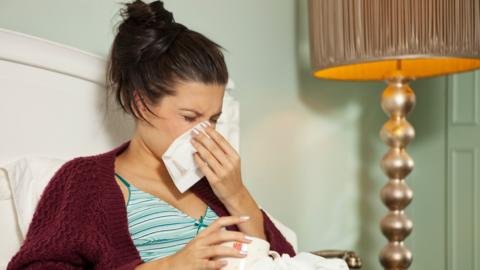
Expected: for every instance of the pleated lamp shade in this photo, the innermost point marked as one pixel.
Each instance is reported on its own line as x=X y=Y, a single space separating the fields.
x=364 y=39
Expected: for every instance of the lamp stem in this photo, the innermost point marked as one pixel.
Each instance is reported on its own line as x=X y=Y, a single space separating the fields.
x=398 y=100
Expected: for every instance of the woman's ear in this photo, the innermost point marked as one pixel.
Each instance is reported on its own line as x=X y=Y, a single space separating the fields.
x=138 y=102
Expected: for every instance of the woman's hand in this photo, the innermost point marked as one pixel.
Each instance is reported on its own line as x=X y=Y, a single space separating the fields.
x=220 y=163
x=202 y=252
x=223 y=175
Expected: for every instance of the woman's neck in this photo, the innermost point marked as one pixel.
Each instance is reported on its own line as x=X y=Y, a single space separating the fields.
x=138 y=160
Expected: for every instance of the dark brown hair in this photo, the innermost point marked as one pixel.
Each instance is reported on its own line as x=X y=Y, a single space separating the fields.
x=151 y=53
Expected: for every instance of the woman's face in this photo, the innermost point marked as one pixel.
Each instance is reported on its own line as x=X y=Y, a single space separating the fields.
x=193 y=103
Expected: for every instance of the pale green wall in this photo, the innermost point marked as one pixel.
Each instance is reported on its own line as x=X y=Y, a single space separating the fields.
x=310 y=148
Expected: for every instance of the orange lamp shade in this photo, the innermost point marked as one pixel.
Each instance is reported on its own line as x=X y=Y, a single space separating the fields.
x=365 y=39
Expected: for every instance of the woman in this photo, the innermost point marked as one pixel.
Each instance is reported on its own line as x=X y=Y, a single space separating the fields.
x=120 y=209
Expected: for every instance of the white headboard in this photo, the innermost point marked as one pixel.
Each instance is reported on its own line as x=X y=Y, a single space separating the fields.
x=52 y=101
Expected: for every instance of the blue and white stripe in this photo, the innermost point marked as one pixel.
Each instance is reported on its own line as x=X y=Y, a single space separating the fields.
x=157 y=228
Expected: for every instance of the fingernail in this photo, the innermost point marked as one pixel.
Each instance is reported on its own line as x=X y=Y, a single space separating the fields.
x=244 y=252
x=195 y=130
x=204 y=131
x=249 y=238
x=244 y=217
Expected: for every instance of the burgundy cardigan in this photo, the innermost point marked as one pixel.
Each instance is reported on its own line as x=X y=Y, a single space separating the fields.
x=80 y=221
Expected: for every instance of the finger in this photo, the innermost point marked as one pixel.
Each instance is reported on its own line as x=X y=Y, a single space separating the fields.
x=221 y=141
x=207 y=156
x=223 y=222
x=211 y=146
x=205 y=168
x=223 y=251
x=222 y=236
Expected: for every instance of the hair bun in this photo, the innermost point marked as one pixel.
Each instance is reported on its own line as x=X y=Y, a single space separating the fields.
x=147 y=15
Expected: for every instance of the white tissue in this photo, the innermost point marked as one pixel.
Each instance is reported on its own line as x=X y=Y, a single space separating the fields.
x=179 y=161
x=302 y=261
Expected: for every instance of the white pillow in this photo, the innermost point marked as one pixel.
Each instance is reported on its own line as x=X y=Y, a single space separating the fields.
x=10 y=236
x=5 y=193
x=28 y=177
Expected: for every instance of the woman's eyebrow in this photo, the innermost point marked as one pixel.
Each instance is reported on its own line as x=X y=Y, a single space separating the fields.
x=198 y=113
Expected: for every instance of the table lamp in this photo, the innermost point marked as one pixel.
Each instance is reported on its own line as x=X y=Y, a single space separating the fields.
x=395 y=41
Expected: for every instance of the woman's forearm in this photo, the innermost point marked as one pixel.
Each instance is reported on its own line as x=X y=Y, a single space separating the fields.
x=244 y=205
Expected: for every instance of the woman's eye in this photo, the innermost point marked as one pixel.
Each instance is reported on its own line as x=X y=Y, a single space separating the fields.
x=190 y=119
x=193 y=119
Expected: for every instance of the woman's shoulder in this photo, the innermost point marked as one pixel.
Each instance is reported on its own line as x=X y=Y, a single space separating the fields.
x=93 y=172
x=75 y=172
x=87 y=165
x=75 y=185
x=76 y=166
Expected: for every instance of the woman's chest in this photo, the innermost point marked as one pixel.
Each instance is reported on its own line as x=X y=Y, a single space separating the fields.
x=157 y=228
x=187 y=203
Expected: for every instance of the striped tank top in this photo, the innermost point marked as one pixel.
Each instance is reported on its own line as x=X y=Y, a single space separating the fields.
x=157 y=228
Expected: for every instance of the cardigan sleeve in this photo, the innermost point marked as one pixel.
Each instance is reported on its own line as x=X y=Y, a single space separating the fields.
x=53 y=240
x=276 y=239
